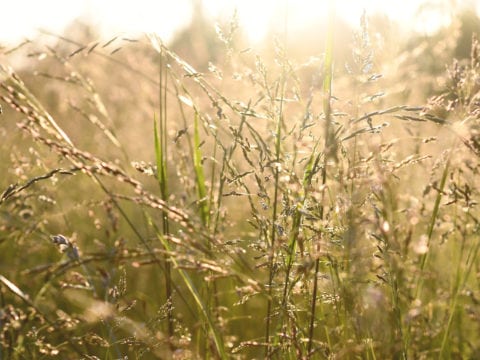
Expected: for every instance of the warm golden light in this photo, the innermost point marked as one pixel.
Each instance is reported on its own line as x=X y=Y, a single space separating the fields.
x=165 y=17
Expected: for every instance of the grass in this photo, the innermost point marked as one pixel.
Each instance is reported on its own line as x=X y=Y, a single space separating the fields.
x=276 y=208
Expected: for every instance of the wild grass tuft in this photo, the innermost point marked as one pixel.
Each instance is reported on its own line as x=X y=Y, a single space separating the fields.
x=280 y=206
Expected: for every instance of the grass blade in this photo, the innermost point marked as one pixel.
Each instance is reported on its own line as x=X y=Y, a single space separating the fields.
x=198 y=300
x=199 y=174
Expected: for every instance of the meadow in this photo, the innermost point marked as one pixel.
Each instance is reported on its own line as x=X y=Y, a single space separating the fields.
x=313 y=197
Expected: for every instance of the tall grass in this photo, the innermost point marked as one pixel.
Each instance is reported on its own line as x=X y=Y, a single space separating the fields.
x=275 y=209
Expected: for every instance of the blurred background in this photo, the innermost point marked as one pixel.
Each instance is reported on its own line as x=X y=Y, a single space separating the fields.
x=22 y=18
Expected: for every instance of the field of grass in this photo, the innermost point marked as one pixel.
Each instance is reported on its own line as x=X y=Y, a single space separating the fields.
x=227 y=202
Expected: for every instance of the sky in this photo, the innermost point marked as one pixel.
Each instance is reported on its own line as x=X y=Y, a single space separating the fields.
x=21 y=18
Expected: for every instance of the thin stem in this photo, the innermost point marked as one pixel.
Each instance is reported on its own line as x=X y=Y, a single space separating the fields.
x=328 y=153
x=276 y=169
x=163 y=171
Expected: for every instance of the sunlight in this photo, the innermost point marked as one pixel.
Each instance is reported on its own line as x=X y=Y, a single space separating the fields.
x=256 y=17
x=180 y=182
x=20 y=19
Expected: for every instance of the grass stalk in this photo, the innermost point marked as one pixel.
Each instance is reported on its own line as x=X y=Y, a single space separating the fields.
x=161 y=151
x=460 y=283
x=162 y=175
x=431 y=226
x=310 y=169
x=203 y=200
x=276 y=171
x=273 y=229
x=329 y=149
x=204 y=310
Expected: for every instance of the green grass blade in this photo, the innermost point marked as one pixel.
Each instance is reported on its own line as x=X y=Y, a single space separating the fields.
x=160 y=161
x=199 y=174
x=297 y=220
x=459 y=287
x=433 y=219
x=198 y=300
